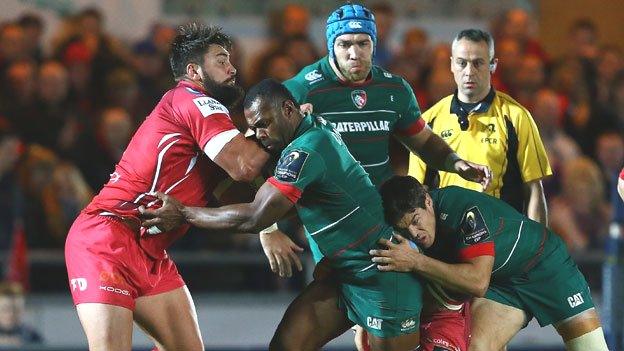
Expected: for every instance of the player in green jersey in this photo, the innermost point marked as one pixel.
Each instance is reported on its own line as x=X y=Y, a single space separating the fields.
x=368 y=106
x=339 y=206
x=477 y=245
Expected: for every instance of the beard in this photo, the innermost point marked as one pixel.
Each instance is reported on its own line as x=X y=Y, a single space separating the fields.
x=355 y=77
x=229 y=95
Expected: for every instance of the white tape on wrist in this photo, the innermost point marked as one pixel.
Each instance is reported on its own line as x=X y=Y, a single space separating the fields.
x=270 y=229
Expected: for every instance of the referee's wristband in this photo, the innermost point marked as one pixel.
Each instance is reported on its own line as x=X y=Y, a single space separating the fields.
x=449 y=162
x=270 y=229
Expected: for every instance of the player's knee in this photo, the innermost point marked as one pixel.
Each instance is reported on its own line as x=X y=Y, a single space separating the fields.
x=592 y=341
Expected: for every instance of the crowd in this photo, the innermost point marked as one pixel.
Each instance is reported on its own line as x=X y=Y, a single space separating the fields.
x=67 y=112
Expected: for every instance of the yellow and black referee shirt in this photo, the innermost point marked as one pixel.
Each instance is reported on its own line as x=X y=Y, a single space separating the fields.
x=498 y=132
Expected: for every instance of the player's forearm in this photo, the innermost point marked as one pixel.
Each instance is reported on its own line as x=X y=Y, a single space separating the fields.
x=436 y=153
x=536 y=202
x=238 y=218
x=459 y=277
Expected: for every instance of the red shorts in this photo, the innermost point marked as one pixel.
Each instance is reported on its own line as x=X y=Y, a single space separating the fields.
x=105 y=263
x=446 y=330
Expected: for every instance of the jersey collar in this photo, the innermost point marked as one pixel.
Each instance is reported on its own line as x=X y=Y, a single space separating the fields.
x=305 y=124
x=193 y=86
x=481 y=107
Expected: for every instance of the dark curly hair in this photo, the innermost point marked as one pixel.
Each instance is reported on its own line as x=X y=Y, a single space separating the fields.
x=191 y=44
x=400 y=195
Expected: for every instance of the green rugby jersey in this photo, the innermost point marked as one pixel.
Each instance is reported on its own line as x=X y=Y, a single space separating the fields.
x=471 y=224
x=365 y=114
x=334 y=197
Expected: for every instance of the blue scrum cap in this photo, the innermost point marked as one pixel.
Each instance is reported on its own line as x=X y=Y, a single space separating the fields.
x=349 y=19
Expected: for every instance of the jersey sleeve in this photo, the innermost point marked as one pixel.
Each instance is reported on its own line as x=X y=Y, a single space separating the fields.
x=410 y=122
x=295 y=170
x=210 y=124
x=474 y=237
x=532 y=157
x=418 y=168
x=298 y=91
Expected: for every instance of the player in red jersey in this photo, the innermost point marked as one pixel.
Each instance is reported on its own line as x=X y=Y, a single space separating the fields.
x=119 y=272
x=621 y=184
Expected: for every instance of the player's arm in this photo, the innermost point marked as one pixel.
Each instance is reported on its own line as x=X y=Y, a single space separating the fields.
x=268 y=206
x=536 y=201
x=434 y=151
x=469 y=277
x=242 y=158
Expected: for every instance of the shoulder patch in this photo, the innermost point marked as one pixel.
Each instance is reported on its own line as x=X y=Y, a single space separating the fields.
x=473 y=228
x=290 y=165
x=208 y=106
x=387 y=75
x=313 y=76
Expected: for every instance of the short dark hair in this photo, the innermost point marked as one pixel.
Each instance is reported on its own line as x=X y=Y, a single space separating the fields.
x=269 y=91
x=477 y=36
x=400 y=195
x=192 y=42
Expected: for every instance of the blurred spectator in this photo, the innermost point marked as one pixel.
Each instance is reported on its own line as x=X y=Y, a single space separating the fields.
x=509 y=55
x=580 y=213
x=55 y=192
x=122 y=89
x=55 y=124
x=300 y=49
x=530 y=76
x=280 y=67
x=516 y=24
x=610 y=156
x=560 y=148
x=384 y=19
x=33 y=28
x=13 y=331
x=18 y=93
x=103 y=147
x=11 y=200
x=12 y=45
x=291 y=20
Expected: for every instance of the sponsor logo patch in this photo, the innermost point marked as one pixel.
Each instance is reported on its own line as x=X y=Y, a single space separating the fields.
x=408 y=324
x=208 y=106
x=374 y=323
x=359 y=98
x=78 y=283
x=473 y=227
x=576 y=300
x=355 y=25
x=313 y=76
x=290 y=165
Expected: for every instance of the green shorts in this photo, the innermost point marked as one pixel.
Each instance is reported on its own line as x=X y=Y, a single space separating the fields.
x=553 y=290
x=386 y=304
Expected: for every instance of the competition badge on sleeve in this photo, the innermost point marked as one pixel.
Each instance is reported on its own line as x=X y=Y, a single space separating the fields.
x=473 y=227
x=290 y=165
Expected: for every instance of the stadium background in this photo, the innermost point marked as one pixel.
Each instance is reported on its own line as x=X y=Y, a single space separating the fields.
x=62 y=95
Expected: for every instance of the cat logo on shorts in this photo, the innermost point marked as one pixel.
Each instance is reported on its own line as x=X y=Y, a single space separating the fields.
x=359 y=98
x=374 y=323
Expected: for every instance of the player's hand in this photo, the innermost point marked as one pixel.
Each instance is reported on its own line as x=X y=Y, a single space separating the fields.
x=168 y=217
x=399 y=257
x=474 y=172
x=361 y=338
x=306 y=108
x=282 y=253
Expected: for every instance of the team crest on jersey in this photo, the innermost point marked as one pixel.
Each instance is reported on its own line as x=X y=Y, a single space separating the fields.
x=208 y=106
x=359 y=98
x=290 y=165
x=473 y=227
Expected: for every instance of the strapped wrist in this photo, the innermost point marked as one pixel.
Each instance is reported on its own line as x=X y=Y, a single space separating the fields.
x=269 y=229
